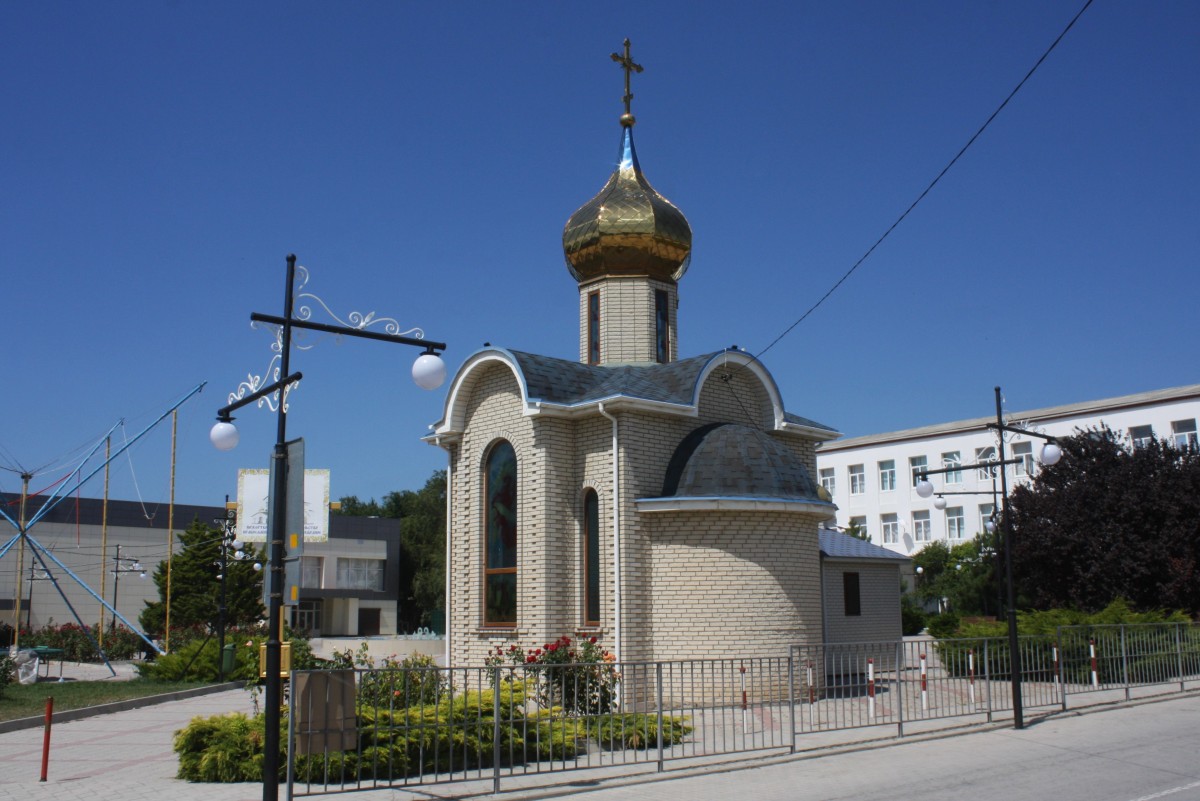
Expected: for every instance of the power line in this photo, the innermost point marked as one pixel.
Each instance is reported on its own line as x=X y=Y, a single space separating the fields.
x=930 y=187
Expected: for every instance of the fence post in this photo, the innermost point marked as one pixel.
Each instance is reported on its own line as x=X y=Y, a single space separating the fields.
x=659 y=691
x=792 y=698
x=899 y=688
x=495 y=730
x=1124 y=662
x=291 y=739
x=987 y=679
x=1058 y=667
x=1179 y=654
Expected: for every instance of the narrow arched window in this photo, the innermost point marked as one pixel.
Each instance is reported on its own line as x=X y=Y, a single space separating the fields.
x=500 y=525
x=591 y=559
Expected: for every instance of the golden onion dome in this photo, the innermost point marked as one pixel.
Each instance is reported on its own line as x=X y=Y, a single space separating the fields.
x=628 y=228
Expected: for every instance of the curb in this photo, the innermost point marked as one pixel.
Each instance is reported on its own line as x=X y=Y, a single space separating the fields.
x=117 y=706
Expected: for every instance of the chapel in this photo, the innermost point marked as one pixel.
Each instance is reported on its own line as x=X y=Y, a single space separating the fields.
x=662 y=504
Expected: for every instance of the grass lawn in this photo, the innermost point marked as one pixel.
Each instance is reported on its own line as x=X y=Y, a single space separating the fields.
x=29 y=700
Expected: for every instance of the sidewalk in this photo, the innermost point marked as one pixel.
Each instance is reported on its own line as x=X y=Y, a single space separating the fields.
x=124 y=755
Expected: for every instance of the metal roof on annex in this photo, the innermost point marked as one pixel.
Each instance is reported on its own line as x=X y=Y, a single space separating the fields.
x=838 y=545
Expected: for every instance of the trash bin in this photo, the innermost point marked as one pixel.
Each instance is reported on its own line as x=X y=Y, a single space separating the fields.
x=227 y=661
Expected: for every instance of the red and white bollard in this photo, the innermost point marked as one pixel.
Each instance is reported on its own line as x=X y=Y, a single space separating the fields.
x=871 y=688
x=1095 y=673
x=1054 y=653
x=745 y=724
x=924 y=686
x=971 y=675
x=812 y=692
x=46 y=738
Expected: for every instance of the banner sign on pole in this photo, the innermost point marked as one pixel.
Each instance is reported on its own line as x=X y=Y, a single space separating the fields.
x=254 y=488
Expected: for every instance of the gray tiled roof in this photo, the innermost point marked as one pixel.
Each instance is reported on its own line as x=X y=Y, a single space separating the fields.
x=552 y=380
x=730 y=460
x=836 y=545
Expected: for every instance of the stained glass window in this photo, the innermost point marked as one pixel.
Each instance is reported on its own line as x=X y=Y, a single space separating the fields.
x=591 y=558
x=500 y=570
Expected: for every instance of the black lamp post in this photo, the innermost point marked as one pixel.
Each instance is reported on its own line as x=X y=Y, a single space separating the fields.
x=428 y=372
x=1050 y=455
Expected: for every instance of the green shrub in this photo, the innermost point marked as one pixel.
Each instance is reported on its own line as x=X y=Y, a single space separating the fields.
x=78 y=643
x=195 y=658
x=943 y=625
x=223 y=748
x=639 y=731
x=912 y=616
x=8 y=670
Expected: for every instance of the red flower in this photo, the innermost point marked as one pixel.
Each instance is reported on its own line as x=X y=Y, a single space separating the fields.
x=566 y=640
x=552 y=647
x=530 y=659
x=592 y=641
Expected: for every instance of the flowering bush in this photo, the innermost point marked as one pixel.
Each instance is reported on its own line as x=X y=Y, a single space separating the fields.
x=412 y=681
x=577 y=676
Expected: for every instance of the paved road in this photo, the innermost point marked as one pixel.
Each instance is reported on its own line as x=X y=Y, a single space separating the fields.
x=1137 y=753
x=1130 y=754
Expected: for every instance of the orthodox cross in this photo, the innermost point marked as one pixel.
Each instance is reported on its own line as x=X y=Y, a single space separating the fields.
x=629 y=66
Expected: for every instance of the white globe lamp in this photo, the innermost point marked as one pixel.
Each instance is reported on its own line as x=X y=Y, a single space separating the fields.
x=224 y=436
x=429 y=371
x=1051 y=453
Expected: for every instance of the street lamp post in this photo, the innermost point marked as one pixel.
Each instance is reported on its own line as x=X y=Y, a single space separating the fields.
x=428 y=371
x=1050 y=455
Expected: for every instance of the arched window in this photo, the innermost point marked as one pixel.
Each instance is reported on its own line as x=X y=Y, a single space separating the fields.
x=500 y=527
x=591 y=559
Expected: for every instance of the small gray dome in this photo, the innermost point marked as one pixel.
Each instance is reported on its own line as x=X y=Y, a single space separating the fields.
x=731 y=460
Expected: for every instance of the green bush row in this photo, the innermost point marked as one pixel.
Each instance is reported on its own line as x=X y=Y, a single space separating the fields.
x=197 y=658
x=1154 y=627
x=456 y=733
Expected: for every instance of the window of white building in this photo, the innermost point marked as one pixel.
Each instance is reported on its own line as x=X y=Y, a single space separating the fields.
x=987 y=454
x=859 y=524
x=1141 y=436
x=887 y=475
x=311 y=568
x=1183 y=433
x=985 y=514
x=890 y=525
x=1024 y=452
x=828 y=480
x=858 y=479
x=952 y=459
x=921 y=529
x=917 y=465
x=359 y=574
x=955 y=523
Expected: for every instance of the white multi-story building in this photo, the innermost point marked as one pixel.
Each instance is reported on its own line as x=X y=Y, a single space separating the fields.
x=872 y=479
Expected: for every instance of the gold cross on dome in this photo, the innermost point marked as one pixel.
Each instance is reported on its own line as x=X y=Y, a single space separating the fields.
x=629 y=66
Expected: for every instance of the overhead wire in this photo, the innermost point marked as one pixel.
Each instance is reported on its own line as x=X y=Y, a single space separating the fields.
x=928 y=188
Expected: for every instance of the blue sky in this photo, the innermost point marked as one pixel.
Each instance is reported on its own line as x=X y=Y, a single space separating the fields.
x=161 y=159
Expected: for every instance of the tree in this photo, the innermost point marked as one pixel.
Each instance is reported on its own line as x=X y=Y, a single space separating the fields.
x=196 y=590
x=962 y=575
x=1110 y=521
x=422 y=517
x=857 y=531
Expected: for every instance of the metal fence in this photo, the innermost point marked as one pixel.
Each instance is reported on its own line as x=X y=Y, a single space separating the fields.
x=367 y=729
